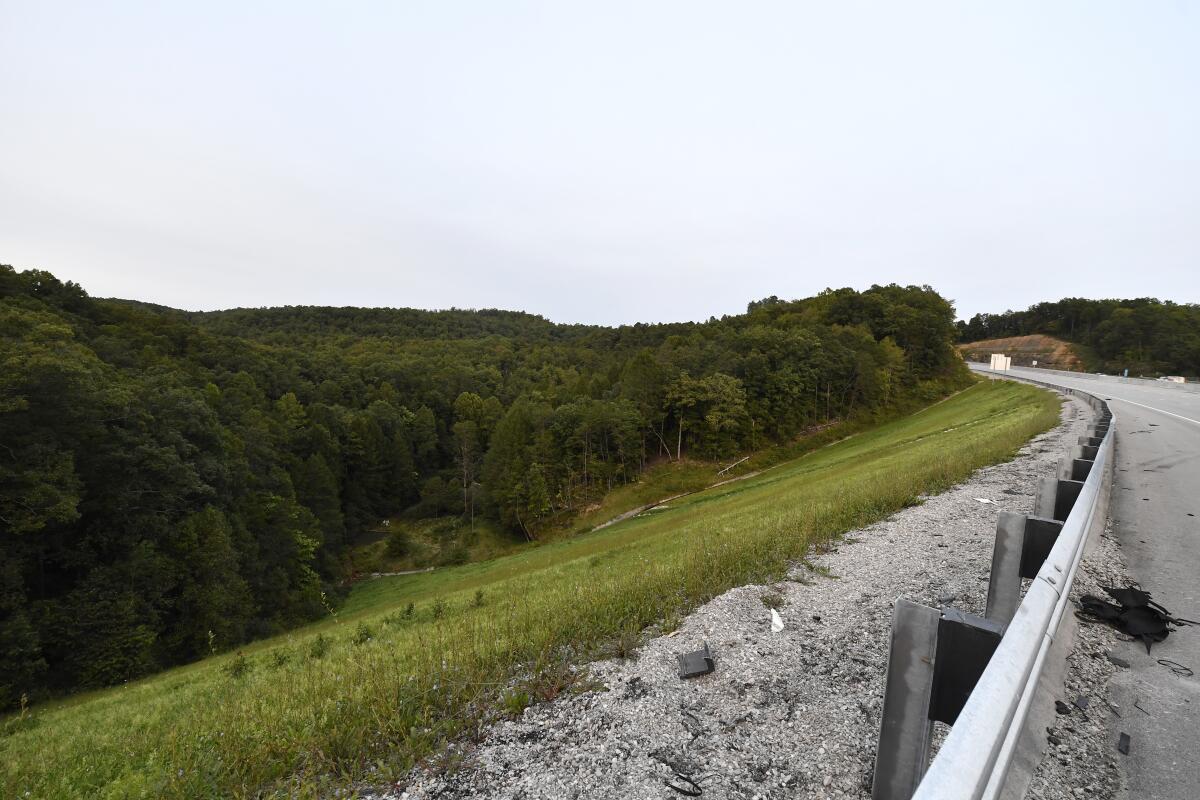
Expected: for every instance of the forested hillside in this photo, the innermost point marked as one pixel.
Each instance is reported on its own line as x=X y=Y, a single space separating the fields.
x=1145 y=336
x=173 y=484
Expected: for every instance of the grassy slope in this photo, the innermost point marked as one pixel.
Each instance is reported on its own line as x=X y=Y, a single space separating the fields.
x=431 y=543
x=300 y=722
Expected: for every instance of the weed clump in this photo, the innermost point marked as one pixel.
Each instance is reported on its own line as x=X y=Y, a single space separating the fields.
x=514 y=702
x=772 y=600
x=318 y=647
x=239 y=666
x=363 y=633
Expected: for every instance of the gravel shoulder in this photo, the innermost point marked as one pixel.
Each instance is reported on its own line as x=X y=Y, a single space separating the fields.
x=793 y=713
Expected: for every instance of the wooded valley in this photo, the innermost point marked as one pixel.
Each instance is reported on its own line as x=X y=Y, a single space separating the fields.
x=173 y=483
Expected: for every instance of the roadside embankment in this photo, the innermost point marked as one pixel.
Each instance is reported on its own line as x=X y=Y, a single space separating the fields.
x=793 y=713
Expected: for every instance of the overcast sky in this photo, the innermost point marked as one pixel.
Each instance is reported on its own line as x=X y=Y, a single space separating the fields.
x=605 y=162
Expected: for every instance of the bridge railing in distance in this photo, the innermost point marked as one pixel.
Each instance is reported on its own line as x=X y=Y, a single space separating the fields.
x=997 y=734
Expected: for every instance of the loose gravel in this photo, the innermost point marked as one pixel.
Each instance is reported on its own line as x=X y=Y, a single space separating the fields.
x=787 y=714
x=1081 y=758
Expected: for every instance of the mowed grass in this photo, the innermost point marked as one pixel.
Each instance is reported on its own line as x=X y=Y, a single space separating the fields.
x=487 y=637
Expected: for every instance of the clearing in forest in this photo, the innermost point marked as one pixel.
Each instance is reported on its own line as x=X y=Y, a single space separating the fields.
x=1049 y=352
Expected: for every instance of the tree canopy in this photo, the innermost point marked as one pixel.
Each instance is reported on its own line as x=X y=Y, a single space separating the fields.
x=1145 y=335
x=174 y=483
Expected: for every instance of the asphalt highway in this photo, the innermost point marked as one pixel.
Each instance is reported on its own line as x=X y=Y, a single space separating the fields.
x=1155 y=508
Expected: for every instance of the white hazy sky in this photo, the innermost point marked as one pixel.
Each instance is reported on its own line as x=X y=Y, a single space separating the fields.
x=604 y=162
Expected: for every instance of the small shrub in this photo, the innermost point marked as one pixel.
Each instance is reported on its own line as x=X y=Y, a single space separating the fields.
x=439 y=608
x=280 y=657
x=625 y=644
x=552 y=680
x=363 y=633
x=514 y=702
x=478 y=601
x=455 y=555
x=239 y=666
x=772 y=600
x=319 y=646
x=398 y=618
x=399 y=544
x=23 y=720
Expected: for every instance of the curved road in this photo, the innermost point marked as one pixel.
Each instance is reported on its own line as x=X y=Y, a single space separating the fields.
x=1155 y=509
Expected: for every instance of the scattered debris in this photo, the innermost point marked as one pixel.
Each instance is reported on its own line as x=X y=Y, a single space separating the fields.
x=1081 y=702
x=985 y=500
x=691 y=790
x=1177 y=668
x=1123 y=744
x=696 y=663
x=1117 y=660
x=776 y=621
x=943 y=599
x=1061 y=707
x=1137 y=615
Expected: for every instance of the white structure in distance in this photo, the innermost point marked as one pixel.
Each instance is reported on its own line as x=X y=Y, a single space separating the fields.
x=1001 y=362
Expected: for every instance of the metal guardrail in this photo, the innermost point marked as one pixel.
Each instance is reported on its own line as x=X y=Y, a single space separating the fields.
x=1190 y=386
x=995 y=729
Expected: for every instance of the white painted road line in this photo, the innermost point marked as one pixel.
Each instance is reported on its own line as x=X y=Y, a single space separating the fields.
x=1152 y=408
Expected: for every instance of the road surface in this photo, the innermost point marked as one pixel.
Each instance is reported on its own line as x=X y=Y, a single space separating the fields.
x=1155 y=509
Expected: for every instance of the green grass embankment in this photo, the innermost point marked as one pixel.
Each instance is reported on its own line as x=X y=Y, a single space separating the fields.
x=323 y=705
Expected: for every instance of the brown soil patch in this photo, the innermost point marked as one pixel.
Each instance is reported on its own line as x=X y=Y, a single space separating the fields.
x=1046 y=350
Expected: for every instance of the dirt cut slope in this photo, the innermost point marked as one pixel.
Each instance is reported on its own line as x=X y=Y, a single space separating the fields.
x=1047 y=351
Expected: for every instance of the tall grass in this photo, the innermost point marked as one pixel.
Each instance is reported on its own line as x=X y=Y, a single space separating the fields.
x=339 y=703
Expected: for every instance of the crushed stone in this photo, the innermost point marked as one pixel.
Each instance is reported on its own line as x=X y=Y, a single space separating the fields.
x=793 y=713
x=1082 y=758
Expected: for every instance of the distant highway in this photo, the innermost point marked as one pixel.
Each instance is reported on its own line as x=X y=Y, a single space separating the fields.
x=1156 y=514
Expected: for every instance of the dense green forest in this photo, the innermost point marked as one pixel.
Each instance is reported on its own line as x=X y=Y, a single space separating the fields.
x=1145 y=336
x=174 y=484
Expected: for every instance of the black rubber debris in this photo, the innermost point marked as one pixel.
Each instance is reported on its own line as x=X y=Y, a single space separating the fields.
x=1137 y=615
x=692 y=789
x=1177 y=668
x=1123 y=744
x=1120 y=662
x=696 y=663
x=1061 y=707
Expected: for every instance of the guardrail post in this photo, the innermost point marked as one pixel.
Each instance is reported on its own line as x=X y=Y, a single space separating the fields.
x=1074 y=469
x=905 y=730
x=965 y=644
x=935 y=660
x=1004 y=584
x=1022 y=544
x=1055 y=498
